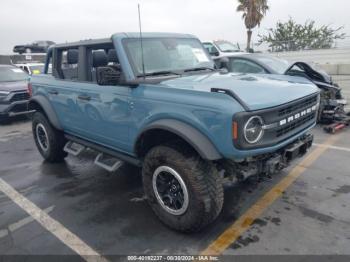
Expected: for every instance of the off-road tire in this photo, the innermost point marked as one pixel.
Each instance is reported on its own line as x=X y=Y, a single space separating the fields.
x=203 y=182
x=56 y=140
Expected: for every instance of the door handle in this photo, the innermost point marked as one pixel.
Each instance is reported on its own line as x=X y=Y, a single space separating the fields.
x=84 y=97
x=53 y=92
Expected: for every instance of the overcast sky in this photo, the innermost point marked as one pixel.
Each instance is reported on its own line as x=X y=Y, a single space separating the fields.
x=24 y=21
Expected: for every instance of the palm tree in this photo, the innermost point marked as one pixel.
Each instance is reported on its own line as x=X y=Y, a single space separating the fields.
x=253 y=12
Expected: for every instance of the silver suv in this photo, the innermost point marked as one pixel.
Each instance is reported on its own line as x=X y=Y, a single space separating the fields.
x=15 y=92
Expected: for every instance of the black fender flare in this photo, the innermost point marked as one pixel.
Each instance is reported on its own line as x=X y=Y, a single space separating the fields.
x=46 y=106
x=191 y=135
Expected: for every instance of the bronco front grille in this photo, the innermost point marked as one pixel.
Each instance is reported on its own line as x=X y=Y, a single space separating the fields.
x=288 y=128
x=293 y=108
x=281 y=122
x=20 y=97
x=296 y=115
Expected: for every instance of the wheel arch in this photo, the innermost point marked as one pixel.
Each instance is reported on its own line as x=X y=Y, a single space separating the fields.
x=41 y=103
x=164 y=130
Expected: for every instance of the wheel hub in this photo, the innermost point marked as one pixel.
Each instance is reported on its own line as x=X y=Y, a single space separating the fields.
x=170 y=190
x=42 y=137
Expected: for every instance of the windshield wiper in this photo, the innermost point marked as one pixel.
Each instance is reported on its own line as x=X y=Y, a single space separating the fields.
x=199 y=69
x=158 y=73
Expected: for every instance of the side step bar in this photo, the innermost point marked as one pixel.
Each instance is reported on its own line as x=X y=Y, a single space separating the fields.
x=106 y=151
x=111 y=164
x=73 y=148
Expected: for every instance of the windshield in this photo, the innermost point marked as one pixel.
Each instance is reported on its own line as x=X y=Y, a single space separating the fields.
x=166 y=54
x=10 y=74
x=226 y=46
x=276 y=64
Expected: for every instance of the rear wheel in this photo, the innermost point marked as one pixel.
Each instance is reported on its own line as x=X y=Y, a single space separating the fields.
x=49 y=141
x=184 y=191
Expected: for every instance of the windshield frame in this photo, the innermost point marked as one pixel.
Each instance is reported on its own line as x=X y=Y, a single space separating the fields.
x=176 y=72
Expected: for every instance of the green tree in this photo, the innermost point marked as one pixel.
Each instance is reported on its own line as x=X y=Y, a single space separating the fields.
x=253 y=13
x=291 y=36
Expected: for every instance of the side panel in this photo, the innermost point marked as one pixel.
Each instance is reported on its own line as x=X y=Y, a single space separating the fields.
x=105 y=115
x=63 y=97
x=192 y=136
x=209 y=115
x=44 y=103
x=60 y=95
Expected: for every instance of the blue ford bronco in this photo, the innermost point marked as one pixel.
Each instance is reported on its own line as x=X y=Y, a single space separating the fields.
x=159 y=103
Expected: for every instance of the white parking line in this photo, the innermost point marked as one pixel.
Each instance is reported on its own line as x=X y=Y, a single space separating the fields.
x=333 y=147
x=3 y=233
x=27 y=220
x=50 y=224
x=13 y=227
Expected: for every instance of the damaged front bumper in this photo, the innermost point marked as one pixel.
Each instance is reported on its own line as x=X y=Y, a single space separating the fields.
x=268 y=164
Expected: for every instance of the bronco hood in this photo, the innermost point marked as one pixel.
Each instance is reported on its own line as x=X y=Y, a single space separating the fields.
x=256 y=91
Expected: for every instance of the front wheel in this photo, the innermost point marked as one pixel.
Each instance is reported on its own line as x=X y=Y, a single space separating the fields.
x=184 y=191
x=49 y=141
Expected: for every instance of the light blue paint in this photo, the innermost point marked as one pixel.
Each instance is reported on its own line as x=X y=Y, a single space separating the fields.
x=116 y=115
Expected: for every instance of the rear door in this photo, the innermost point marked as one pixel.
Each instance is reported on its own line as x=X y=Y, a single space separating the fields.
x=106 y=114
x=97 y=113
x=105 y=109
x=64 y=89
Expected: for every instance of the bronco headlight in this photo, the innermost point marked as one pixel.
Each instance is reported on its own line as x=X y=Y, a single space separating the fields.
x=253 y=129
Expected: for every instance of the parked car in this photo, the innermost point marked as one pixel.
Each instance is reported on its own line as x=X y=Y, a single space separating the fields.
x=14 y=92
x=35 y=47
x=32 y=68
x=332 y=103
x=220 y=48
x=166 y=109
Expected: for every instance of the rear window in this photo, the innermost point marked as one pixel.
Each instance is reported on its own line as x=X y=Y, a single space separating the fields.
x=11 y=74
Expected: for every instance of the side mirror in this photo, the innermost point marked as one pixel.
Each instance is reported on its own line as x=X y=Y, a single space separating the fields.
x=107 y=76
x=224 y=63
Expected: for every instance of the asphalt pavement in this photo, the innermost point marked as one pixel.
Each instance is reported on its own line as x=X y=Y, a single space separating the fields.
x=304 y=210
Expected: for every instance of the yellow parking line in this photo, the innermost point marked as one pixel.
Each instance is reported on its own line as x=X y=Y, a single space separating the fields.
x=243 y=223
